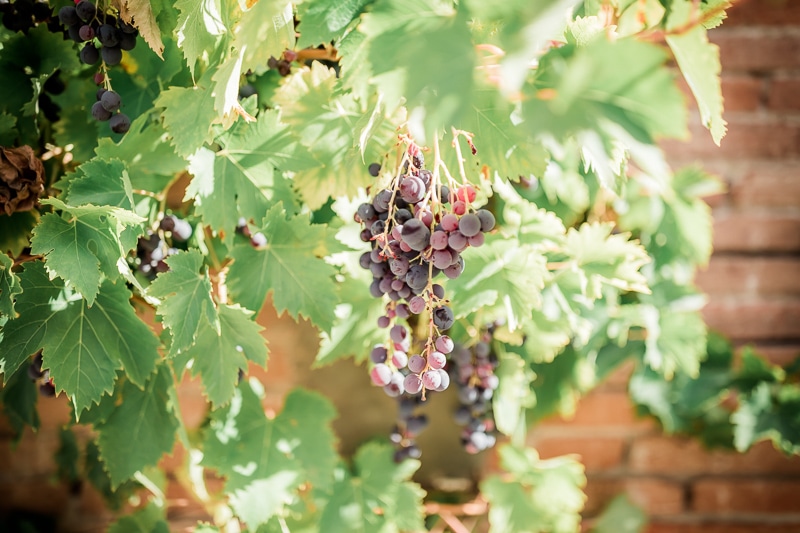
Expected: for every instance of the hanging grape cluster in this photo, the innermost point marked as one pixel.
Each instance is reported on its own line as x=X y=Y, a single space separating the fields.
x=473 y=370
x=417 y=228
x=22 y=15
x=104 y=36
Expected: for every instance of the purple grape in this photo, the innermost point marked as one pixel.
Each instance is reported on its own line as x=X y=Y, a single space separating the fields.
x=86 y=32
x=445 y=380
x=455 y=270
x=384 y=321
x=110 y=101
x=107 y=35
x=469 y=225
x=89 y=55
x=398 y=333
x=416 y=363
x=442 y=259
x=120 y=123
x=487 y=220
x=476 y=240
x=374 y=169
x=99 y=112
x=85 y=10
x=381 y=375
x=378 y=354
x=68 y=16
x=127 y=41
x=431 y=379
x=457 y=241
x=399 y=359
x=416 y=234
x=417 y=277
x=111 y=55
x=412 y=384
x=439 y=240
x=444 y=344
x=437 y=360
x=412 y=189
x=438 y=290
x=258 y=240
x=416 y=305
x=443 y=317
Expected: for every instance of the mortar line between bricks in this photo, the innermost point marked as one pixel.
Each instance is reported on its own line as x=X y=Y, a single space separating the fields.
x=690 y=477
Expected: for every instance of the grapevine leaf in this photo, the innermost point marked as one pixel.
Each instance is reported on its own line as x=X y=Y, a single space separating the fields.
x=102 y=183
x=675 y=340
x=433 y=69
x=330 y=124
x=265 y=30
x=602 y=259
x=9 y=286
x=150 y=519
x=149 y=157
x=272 y=457
x=325 y=21
x=16 y=230
x=220 y=355
x=354 y=332
x=378 y=497
x=513 y=395
x=621 y=516
x=82 y=346
x=199 y=26
x=186 y=299
x=188 y=114
x=140 y=429
x=540 y=496
x=503 y=146
x=699 y=62
x=503 y=274
x=18 y=398
x=240 y=180
x=139 y=13
x=290 y=267
x=91 y=242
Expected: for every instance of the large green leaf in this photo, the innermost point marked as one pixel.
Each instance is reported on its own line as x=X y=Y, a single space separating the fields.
x=540 y=496
x=271 y=457
x=432 y=60
x=699 y=62
x=502 y=275
x=218 y=356
x=324 y=21
x=265 y=30
x=188 y=113
x=186 y=299
x=101 y=182
x=9 y=286
x=200 y=24
x=290 y=266
x=378 y=496
x=241 y=179
x=149 y=519
x=84 y=244
x=82 y=346
x=18 y=398
x=140 y=429
x=342 y=133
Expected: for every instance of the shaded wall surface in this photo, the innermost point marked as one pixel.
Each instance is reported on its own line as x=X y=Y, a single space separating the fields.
x=753 y=282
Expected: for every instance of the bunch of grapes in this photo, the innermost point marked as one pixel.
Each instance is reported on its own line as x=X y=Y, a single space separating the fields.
x=409 y=425
x=417 y=228
x=104 y=36
x=41 y=377
x=473 y=370
x=152 y=250
x=23 y=15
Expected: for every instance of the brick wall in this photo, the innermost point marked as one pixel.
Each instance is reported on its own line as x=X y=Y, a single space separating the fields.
x=753 y=283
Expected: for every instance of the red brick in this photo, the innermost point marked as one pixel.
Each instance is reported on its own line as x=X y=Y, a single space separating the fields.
x=596 y=453
x=682 y=457
x=784 y=94
x=756 y=231
x=746 y=50
x=763 y=12
x=767 y=184
x=706 y=524
x=749 y=136
x=753 y=321
x=741 y=93
x=600 y=491
x=735 y=495
x=603 y=408
x=656 y=496
x=765 y=276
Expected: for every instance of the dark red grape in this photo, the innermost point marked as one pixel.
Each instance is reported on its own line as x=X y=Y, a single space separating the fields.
x=120 y=123
x=111 y=55
x=110 y=101
x=100 y=113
